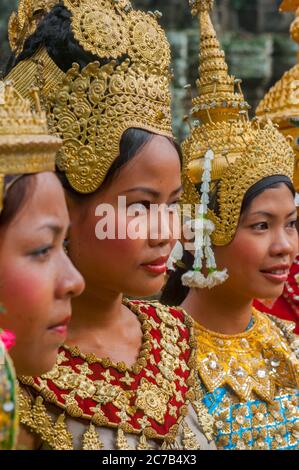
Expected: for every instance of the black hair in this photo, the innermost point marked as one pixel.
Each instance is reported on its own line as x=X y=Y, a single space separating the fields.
x=16 y=196
x=54 y=32
x=174 y=293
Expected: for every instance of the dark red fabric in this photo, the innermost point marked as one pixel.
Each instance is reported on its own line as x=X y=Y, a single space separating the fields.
x=109 y=410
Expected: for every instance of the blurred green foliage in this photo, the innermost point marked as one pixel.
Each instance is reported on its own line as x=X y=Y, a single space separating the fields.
x=6 y=8
x=238 y=4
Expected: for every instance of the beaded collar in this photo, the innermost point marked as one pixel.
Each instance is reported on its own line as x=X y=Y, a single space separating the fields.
x=151 y=397
x=257 y=360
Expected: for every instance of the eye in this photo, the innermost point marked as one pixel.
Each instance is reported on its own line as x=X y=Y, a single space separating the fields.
x=261 y=226
x=65 y=244
x=42 y=253
x=292 y=224
x=173 y=206
x=141 y=206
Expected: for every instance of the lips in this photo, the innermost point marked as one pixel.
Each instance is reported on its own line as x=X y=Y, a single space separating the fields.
x=157 y=266
x=277 y=274
x=60 y=327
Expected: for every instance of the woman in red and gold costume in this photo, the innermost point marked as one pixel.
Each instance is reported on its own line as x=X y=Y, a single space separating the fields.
x=125 y=379
x=238 y=174
x=281 y=105
x=37 y=279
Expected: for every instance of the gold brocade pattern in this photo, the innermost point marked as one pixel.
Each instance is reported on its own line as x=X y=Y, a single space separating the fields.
x=149 y=399
x=258 y=360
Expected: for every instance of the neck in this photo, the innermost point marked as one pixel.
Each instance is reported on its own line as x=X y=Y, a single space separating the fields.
x=102 y=325
x=226 y=314
x=93 y=314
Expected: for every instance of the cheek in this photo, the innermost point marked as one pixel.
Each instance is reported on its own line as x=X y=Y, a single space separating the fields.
x=119 y=252
x=242 y=254
x=25 y=295
x=107 y=246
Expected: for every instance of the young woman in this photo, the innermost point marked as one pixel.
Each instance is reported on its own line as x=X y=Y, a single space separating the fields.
x=37 y=280
x=247 y=362
x=124 y=379
x=279 y=105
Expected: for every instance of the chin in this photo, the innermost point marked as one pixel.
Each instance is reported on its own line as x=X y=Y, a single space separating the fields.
x=144 y=290
x=269 y=293
x=38 y=369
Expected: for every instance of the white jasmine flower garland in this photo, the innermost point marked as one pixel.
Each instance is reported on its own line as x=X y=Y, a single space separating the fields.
x=203 y=248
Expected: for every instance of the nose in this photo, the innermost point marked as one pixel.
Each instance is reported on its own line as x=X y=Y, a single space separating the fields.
x=162 y=225
x=285 y=244
x=70 y=282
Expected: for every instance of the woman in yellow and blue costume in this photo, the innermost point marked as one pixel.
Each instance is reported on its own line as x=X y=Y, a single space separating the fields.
x=238 y=174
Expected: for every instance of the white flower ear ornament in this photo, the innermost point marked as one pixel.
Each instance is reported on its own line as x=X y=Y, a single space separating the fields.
x=203 y=228
x=175 y=256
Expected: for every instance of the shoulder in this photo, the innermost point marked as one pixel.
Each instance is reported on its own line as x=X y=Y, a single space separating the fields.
x=174 y=316
x=282 y=329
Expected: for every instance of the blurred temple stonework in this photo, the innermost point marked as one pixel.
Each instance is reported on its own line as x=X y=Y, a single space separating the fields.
x=254 y=35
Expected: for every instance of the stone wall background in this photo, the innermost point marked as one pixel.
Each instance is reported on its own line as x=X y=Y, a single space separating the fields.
x=253 y=33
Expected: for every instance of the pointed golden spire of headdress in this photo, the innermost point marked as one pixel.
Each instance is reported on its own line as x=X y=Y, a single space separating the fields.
x=217 y=98
x=281 y=102
x=289 y=5
x=292 y=6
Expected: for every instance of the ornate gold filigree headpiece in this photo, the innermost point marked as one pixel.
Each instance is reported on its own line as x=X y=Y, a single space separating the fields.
x=25 y=145
x=244 y=152
x=281 y=103
x=25 y=21
x=91 y=108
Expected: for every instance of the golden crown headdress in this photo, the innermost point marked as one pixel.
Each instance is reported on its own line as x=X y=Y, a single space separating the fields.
x=91 y=108
x=25 y=145
x=281 y=103
x=223 y=147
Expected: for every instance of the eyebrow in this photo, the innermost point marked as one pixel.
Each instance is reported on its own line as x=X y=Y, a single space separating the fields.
x=56 y=229
x=270 y=215
x=152 y=192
